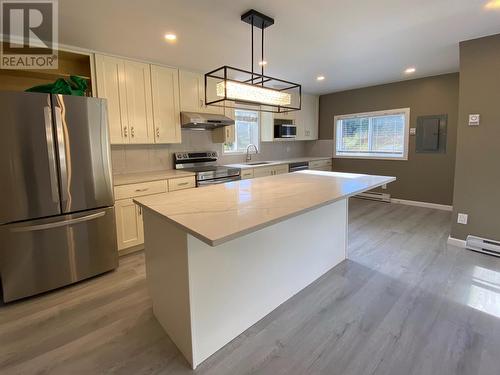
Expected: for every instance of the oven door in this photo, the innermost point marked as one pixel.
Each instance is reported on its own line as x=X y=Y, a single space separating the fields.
x=218 y=181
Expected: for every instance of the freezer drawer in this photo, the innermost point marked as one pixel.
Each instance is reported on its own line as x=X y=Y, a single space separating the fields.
x=41 y=255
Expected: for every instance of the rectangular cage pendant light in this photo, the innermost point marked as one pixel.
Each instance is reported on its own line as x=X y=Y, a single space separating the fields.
x=251 y=93
x=232 y=87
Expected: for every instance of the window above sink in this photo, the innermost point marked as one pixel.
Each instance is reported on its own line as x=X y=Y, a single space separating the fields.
x=246 y=132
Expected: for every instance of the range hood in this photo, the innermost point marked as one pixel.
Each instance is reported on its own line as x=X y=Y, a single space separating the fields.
x=194 y=120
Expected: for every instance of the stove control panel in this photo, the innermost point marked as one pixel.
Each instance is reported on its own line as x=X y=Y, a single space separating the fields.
x=185 y=157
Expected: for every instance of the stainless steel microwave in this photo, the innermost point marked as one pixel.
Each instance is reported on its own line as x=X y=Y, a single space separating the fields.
x=284 y=128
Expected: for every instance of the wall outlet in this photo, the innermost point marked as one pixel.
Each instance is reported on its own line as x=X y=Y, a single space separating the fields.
x=462 y=218
x=384 y=186
x=413 y=131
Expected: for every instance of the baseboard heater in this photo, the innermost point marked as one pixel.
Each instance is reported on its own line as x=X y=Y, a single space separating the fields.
x=483 y=245
x=374 y=196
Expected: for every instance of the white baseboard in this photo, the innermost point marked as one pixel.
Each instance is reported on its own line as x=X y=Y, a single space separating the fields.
x=456 y=242
x=436 y=206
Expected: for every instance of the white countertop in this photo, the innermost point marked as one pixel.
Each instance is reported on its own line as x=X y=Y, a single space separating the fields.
x=270 y=163
x=219 y=213
x=133 y=178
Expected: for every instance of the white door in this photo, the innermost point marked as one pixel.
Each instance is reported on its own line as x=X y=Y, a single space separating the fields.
x=263 y=172
x=307 y=118
x=110 y=74
x=129 y=226
x=166 y=112
x=139 y=102
x=266 y=124
x=192 y=93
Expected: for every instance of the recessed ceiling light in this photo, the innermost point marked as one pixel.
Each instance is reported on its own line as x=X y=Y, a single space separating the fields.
x=170 y=37
x=320 y=78
x=263 y=62
x=492 y=4
x=410 y=70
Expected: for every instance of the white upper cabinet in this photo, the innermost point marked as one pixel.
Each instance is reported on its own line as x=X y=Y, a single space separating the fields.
x=307 y=119
x=143 y=100
x=110 y=73
x=192 y=93
x=127 y=87
x=266 y=124
x=139 y=102
x=166 y=110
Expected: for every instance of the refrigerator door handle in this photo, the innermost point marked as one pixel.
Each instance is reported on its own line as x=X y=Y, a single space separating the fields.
x=51 y=154
x=61 y=147
x=57 y=224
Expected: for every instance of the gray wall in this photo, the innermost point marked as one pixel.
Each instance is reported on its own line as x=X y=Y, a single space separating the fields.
x=423 y=177
x=477 y=175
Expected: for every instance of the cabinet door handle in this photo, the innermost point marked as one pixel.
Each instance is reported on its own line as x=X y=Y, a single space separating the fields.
x=141 y=190
x=125 y=131
x=201 y=103
x=157 y=132
x=132 y=131
x=182 y=183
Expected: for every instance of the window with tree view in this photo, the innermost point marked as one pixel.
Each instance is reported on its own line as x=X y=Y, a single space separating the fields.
x=246 y=131
x=373 y=135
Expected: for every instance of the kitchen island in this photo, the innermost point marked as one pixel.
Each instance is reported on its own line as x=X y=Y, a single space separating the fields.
x=220 y=258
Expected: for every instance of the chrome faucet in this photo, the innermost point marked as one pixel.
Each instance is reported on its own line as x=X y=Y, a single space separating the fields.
x=249 y=157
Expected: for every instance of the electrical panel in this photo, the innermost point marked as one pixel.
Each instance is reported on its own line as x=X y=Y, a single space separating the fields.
x=431 y=134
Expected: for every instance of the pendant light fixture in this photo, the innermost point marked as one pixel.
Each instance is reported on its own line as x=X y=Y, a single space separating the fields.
x=233 y=87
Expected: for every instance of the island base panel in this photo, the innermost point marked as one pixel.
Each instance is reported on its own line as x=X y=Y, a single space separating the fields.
x=232 y=286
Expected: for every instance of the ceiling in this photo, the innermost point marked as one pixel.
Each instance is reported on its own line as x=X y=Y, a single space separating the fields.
x=352 y=43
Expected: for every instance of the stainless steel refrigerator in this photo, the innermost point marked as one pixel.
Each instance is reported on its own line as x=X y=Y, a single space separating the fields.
x=57 y=223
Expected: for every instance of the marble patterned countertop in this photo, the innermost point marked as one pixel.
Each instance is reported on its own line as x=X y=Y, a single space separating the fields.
x=133 y=178
x=137 y=177
x=270 y=163
x=219 y=213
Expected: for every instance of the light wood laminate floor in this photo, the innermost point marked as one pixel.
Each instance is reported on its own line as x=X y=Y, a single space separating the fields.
x=404 y=303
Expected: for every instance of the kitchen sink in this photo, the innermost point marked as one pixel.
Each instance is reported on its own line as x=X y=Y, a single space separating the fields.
x=259 y=163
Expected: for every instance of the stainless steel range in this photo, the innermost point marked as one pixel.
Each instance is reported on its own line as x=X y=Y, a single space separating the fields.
x=204 y=164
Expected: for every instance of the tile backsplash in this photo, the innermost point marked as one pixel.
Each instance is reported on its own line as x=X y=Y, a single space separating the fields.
x=146 y=158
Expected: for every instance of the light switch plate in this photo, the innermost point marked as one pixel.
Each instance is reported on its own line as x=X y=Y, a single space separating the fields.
x=462 y=218
x=413 y=131
x=474 y=119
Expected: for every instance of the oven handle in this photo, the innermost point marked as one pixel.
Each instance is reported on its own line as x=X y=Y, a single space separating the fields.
x=218 y=181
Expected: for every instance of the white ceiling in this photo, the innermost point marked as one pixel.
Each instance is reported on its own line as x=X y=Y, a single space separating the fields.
x=352 y=43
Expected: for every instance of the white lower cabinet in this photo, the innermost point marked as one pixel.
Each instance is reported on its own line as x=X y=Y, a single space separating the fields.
x=247 y=174
x=273 y=170
x=321 y=165
x=129 y=228
x=270 y=171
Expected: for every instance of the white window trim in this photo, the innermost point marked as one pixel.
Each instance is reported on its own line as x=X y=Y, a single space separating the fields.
x=406 y=111
x=249 y=108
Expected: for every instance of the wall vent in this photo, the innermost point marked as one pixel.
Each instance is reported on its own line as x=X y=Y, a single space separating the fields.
x=483 y=245
x=374 y=196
